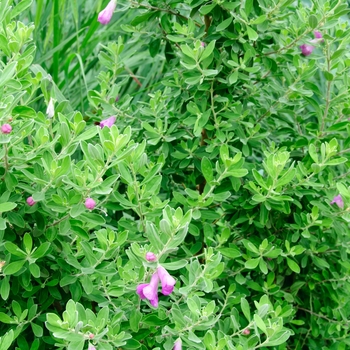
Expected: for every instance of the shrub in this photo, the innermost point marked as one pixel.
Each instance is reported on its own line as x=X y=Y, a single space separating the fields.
x=201 y=201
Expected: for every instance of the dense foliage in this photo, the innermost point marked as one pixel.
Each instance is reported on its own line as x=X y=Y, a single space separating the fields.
x=175 y=178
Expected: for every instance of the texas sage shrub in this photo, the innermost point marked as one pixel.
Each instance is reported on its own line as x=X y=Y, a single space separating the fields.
x=208 y=209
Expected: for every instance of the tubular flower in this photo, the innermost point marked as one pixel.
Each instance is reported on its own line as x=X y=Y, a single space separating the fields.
x=105 y=16
x=151 y=256
x=166 y=280
x=90 y=203
x=107 y=122
x=306 y=50
x=149 y=290
x=6 y=128
x=178 y=345
x=338 y=200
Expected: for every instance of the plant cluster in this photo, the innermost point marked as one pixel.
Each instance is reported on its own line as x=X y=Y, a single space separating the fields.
x=175 y=174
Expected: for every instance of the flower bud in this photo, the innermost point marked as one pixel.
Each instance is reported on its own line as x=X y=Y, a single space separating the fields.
x=50 y=111
x=246 y=331
x=90 y=203
x=6 y=128
x=30 y=201
x=151 y=256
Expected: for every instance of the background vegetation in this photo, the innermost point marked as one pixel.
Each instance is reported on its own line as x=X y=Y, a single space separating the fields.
x=228 y=150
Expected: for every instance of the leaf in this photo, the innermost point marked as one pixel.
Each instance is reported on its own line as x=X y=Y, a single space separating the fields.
x=260 y=323
x=252 y=34
x=233 y=77
x=207 y=169
x=313 y=21
x=7 y=206
x=40 y=252
x=6 y=318
x=223 y=25
x=245 y=309
x=252 y=263
x=175 y=265
x=293 y=265
x=37 y=330
x=207 y=51
x=13 y=267
x=8 y=73
x=231 y=253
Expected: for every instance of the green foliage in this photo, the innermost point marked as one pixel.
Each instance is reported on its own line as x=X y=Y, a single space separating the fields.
x=227 y=151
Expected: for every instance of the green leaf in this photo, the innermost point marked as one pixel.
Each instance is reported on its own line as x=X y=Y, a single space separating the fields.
x=223 y=25
x=252 y=34
x=153 y=320
x=40 y=252
x=13 y=249
x=293 y=265
x=233 y=77
x=252 y=263
x=7 y=206
x=28 y=242
x=13 y=267
x=313 y=21
x=175 y=265
x=5 y=318
x=207 y=51
x=245 y=309
x=34 y=270
x=37 y=330
x=207 y=169
x=8 y=73
x=231 y=253
x=260 y=323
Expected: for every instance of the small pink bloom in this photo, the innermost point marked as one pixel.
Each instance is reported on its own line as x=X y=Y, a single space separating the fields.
x=30 y=201
x=167 y=281
x=107 y=122
x=139 y=290
x=91 y=336
x=90 y=203
x=202 y=43
x=338 y=200
x=105 y=16
x=318 y=35
x=151 y=256
x=246 y=331
x=306 y=50
x=6 y=128
x=91 y=347
x=178 y=345
x=149 y=290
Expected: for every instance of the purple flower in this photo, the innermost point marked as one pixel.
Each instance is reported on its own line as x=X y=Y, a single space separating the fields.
x=30 y=201
x=202 y=43
x=90 y=203
x=6 y=128
x=338 y=200
x=166 y=280
x=107 y=122
x=105 y=16
x=178 y=345
x=151 y=256
x=149 y=290
x=306 y=50
x=91 y=347
x=318 y=35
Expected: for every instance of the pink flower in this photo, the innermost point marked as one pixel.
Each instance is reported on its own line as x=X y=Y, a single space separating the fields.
x=167 y=281
x=306 y=50
x=107 y=122
x=178 y=345
x=338 y=200
x=91 y=347
x=90 y=203
x=105 y=16
x=149 y=290
x=151 y=256
x=6 y=128
x=30 y=201
x=246 y=331
x=318 y=35
x=202 y=43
